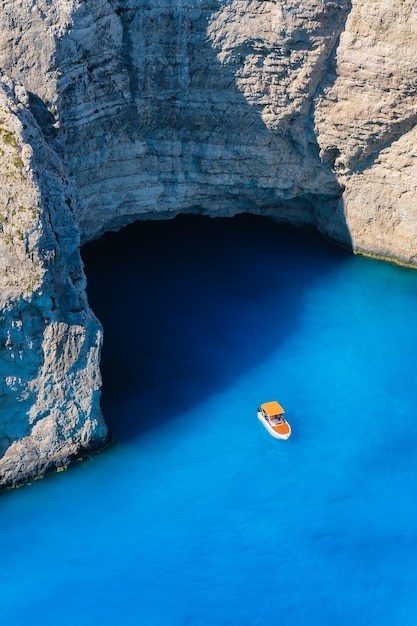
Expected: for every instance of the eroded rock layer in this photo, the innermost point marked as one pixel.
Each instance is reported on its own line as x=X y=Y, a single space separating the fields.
x=49 y=338
x=119 y=110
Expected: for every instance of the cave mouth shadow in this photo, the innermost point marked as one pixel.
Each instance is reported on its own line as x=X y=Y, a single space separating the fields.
x=189 y=305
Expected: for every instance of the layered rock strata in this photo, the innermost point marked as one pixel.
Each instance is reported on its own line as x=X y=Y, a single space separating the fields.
x=49 y=338
x=119 y=110
x=366 y=127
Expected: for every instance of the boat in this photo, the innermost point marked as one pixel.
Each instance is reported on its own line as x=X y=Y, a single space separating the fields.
x=271 y=415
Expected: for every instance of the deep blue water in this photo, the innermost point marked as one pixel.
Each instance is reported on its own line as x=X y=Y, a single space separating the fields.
x=196 y=516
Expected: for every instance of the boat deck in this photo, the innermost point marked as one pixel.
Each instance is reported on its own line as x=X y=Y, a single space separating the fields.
x=282 y=428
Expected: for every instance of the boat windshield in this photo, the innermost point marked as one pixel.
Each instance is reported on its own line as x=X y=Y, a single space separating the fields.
x=276 y=419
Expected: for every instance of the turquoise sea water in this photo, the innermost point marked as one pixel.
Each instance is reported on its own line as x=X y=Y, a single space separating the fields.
x=197 y=516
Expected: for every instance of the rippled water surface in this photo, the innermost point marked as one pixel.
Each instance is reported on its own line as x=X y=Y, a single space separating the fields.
x=197 y=516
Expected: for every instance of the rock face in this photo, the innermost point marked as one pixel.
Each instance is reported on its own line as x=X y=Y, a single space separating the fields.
x=49 y=338
x=117 y=110
x=366 y=127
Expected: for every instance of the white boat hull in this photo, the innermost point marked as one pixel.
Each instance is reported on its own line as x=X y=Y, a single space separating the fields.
x=271 y=430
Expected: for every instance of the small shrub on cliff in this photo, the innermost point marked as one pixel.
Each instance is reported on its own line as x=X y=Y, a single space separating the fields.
x=9 y=138
x=18 y=163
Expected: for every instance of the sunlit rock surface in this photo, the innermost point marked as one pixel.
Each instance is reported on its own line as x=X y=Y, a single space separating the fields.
x=49 y=338
x=366 y=127
x=119 y=110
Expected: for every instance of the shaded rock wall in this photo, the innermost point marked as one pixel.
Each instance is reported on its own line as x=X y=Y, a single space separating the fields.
x=119 y=110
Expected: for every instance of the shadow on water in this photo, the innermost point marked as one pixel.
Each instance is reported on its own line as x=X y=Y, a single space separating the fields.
x=191 y=304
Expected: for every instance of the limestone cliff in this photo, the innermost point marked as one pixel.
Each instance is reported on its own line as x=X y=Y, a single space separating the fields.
x=119 y=110
x=49 y=339
x=366 y=127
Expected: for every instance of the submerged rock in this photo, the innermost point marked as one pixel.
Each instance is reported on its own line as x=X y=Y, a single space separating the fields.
x=119 y=110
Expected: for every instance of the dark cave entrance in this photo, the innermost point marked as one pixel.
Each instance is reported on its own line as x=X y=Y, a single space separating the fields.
x=185 y=306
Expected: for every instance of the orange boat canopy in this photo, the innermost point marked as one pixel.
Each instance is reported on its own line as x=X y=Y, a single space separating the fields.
x=272 y=408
